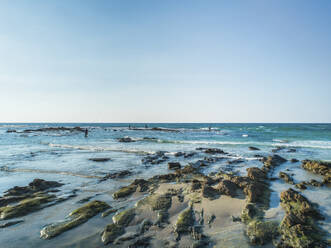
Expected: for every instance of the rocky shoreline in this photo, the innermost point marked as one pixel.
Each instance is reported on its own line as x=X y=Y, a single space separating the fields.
x=186 y=207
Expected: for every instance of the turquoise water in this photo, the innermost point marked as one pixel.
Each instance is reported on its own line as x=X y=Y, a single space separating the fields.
x=63 y=156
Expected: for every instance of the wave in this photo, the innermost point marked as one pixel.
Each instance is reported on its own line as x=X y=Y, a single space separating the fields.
x=307 y=144
x=99 y=149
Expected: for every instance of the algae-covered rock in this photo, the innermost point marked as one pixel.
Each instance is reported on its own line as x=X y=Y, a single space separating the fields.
x=26 y=206
x=255 y=173
x=249 y=212
x=125 y=217
x=185 y=221
x=287 y=178
x=111 y=232
x=75 y=218
x=298 y=227
x=273 y=161
x=301 y=186
x=227 y=187
x=161 y=202
x=209 y=192
x=260 y=232
x=318 y=167
x=125 y=191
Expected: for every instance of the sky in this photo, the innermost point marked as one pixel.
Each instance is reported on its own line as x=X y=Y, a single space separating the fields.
x=165 y=61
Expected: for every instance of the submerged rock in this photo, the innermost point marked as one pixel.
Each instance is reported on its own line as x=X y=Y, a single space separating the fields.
x=10 y=223
x=77 y=217
x=99 y=159
x=252 y=148
x=119 y=174
x=126 y=140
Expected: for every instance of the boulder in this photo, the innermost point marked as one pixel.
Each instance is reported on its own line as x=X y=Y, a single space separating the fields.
x=174 y=165
x=255 y=173
x=227 y=187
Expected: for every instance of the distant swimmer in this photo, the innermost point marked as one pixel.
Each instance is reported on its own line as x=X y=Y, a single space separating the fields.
x=209 y=128
x=146 y=126
x=129 y=126
x=86 y=133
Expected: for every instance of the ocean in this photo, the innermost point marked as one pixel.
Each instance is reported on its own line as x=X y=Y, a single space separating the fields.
x=64 y=156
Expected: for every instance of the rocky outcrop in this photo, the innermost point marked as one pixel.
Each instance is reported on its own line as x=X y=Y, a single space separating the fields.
x=157 y=158
x=257 y=174
x=299 y=228
x=77 y=217
x=55 y=129
x=322 y=168
x=273 y=161
x=253 y=148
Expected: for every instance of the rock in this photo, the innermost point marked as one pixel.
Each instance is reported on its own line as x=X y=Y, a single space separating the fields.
x=35 y=186
x=189 y=154
x=255 y=173
x=236 y=161
x=26 y=206
x=55 y=129
x=145 y=225
x=174 y=165
x=315 y=183
x=76 y=217
x=108 y=212
x=291 y=150
x=160 y=202
x=111 y=232
x=185 y=221
x=295 y=203
x=196 y=185
x=286 y=177
x=138 y=184
x=209 y=192
x=248 y=213
x=179 y=154
x=10 y=223
x=214 y=151
x=227 y=187
x=257 y=192
x=301 y=186
x=125 y=191
x=125 y=217
x=252 y=148
x=273 y=161
x=278 y=148
x=126 y=140
x=157 y=158
x=99 y=159
x=294 y=160
x=319 y=167
x=11 y=131
x=260 y=233
x=119 y=174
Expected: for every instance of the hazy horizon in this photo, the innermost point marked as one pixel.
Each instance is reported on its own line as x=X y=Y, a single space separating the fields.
x=165 y=61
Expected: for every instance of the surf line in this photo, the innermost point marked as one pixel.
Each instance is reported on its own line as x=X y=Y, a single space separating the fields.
x=7 y=169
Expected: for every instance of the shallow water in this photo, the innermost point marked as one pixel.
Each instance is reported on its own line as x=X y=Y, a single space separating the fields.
x=63 y=156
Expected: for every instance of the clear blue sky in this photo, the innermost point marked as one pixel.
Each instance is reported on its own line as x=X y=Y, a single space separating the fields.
x=165 y=61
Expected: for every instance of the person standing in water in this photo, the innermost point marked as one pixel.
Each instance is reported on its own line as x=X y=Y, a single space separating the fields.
x=86 y=133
